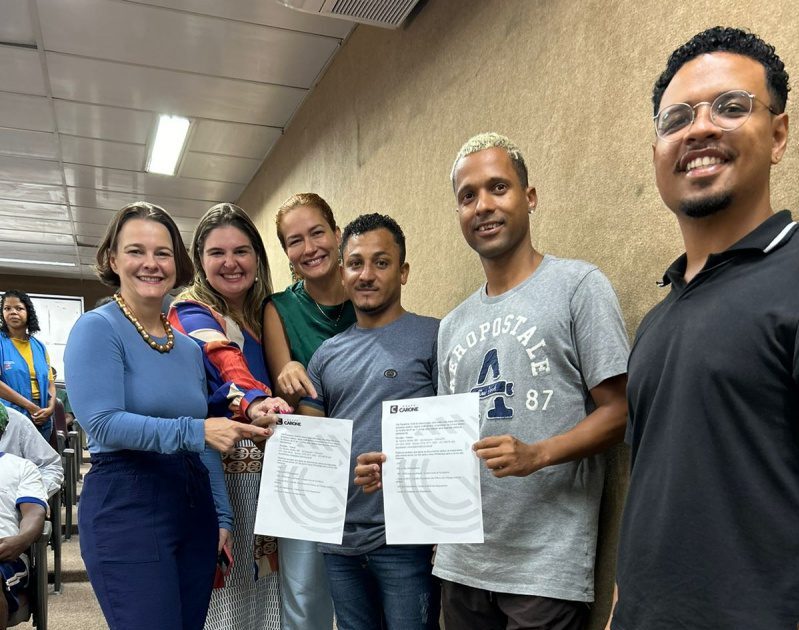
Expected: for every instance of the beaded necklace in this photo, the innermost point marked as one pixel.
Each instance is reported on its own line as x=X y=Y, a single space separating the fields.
x=161 y=347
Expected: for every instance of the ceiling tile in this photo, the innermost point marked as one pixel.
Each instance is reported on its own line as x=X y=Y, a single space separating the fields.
x=18 y=249
x=32 y=192
x=221 y=167
x=108 y=123
x=167 y=91
x=41 y=225
x=208 y=45
x=21 y=71
x=33 y=210
x=35 y=144
x=35 y=237
x=102 y=153
x=262 y=13
x=91 y=221
x=208 y=192
x=114 y=201
x=252 y=141
x=25 y=112
x=15 y=23
x=29 y=170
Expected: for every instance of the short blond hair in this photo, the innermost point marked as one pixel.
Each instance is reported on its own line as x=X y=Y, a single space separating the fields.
x=492 y=140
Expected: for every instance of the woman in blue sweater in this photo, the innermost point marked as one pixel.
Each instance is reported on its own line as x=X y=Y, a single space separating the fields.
x=149 y=530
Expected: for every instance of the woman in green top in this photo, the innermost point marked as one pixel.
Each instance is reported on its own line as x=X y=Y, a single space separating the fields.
x=296 y=322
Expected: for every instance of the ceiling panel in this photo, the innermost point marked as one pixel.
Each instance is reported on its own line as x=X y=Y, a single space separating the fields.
x=222 y=167
x=102 y=153
x=74 y=131
x=21 y=71
x=29 y=170
x=42 y=225
x=252 y=141
x=109 y=123
x=150 y=184
x=32 y=192
x=15 y=22
x=262 y=12
x=34 y=210
x=35 y=237
x=22 y=249
x=208 y=45
x=25 y=112
x=35 y=144
x=114 y=201
x=41 y=270
x=167 y=91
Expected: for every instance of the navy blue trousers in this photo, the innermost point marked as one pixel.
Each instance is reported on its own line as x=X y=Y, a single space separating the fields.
x=148 y=537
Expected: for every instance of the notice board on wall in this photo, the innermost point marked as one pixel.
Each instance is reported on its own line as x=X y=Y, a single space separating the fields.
x=57 y=314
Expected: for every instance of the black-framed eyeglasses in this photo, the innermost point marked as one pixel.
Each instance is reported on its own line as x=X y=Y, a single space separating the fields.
x=728 y=111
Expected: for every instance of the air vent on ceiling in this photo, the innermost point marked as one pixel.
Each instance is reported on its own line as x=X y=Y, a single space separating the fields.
x=384 y=13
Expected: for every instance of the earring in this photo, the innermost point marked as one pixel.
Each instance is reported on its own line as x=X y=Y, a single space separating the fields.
x=340 y=259
x=294 y=276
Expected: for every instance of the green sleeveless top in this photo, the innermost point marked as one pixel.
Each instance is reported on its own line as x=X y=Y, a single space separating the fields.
x=308 y=324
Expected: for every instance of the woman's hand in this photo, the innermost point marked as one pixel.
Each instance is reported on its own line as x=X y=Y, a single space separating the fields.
x=293 y=380
x=260 y=408
x=31 y=407
x=225 y=537
x=41 y=416
x=222 y=434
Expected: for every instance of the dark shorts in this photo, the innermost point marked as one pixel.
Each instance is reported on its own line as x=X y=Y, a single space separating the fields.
x=15 y=579
x=466 y=607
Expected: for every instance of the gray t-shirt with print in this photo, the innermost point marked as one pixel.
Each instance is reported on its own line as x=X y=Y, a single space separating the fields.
x=533 y=353
x=353 y=373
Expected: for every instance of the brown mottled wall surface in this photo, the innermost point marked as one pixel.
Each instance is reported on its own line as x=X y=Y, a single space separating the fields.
x=570 y=81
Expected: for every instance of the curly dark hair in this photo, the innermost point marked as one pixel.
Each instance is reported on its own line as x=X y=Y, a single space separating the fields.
x=371 y=222
x=33 y=321
x=732 y=40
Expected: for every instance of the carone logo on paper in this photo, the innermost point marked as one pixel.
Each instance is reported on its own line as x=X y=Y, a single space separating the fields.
x=402 y=408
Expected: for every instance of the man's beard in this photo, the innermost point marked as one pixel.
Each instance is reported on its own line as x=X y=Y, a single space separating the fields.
x=706 y=206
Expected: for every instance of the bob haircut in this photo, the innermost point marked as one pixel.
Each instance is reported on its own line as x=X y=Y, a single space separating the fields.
x=142 y=210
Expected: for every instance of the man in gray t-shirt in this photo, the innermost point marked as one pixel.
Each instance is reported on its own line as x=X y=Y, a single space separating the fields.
x=544 y=345
x=389 y=354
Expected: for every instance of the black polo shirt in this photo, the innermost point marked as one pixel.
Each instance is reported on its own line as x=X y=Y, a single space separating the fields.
x=710 y=533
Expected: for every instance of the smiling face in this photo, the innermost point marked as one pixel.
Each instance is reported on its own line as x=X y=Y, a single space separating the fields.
x=15 y=315
x=230 y=263
x=311 y=244
x=144 y=260
x=709 y=169
x=493 y=206
x=372 y=273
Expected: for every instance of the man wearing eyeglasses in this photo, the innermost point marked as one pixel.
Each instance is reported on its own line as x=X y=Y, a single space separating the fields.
x=710 y=535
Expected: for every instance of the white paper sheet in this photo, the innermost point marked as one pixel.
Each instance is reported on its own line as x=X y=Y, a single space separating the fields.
x=304 y=481
x=431 y=476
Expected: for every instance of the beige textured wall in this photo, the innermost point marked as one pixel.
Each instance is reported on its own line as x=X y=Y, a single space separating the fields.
x=381 y=130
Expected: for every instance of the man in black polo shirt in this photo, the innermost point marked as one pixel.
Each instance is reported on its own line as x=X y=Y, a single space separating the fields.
x=710 y=535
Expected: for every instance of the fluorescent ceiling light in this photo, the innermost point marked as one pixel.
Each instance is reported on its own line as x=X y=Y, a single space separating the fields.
x=36 y=262
x=168 y=144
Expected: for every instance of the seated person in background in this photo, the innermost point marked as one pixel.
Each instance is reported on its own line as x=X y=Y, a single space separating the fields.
x=23 y=505
x=19 y=436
